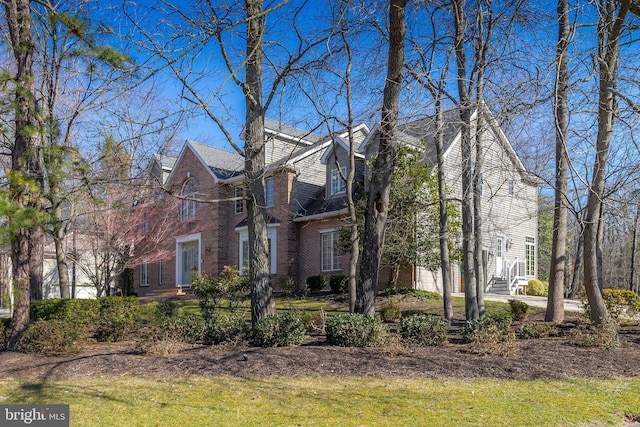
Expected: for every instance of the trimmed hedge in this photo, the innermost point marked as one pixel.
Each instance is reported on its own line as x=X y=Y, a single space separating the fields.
x=52 y=337
x=339 y=283
x=118 y=317
x=279 y=330
x=355 y=330
x=224 y=328
x=81 y=311
x=424 y=329
x=538 y=288
x=316 y=282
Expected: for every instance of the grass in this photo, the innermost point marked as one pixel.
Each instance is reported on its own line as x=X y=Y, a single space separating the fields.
x=284 y=303
x=329 y=401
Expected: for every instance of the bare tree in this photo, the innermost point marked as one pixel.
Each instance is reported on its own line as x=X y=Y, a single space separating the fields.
x=611 y=19
x=465 y=107
x=555 y=302
x=382 y=171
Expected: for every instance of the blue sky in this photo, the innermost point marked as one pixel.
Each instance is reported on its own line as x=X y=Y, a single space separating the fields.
x=521 y=74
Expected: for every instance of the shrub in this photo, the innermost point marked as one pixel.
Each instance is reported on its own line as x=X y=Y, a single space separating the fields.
x=211 y=290
x=316 y=282
x=490 y=335
x=52 y=337
x=621 y=303
x=287 y=284
x=424 y=329
x=165 y=309
x=314 y=320
x=603 y=335
x=170 y=334
x=339 y=283
x=538 y=288
x=536 y=330
x=187 y=328
x=519 y=309
x=390 y=311
x=118 y=317
x=278 y=330
x=224 y=328
x=355 y=330
x=81 y=311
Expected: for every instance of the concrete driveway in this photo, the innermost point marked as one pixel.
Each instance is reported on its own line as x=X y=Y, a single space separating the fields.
x=569 y=305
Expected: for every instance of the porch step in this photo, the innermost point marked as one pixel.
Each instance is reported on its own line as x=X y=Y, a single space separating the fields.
x=500 y=287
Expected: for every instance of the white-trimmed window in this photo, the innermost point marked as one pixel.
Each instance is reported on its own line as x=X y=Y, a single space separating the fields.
x=160 y=272
x=337 y=184
x=144 y=274
x=238 y=192
x=243 y=250
x=145 y=224
x=330 y=250
x=187 y=258
x=188 y=206
x=511 y=186
x=530 y=256
x=269 y=192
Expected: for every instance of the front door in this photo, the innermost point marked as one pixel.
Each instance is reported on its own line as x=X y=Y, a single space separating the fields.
x=499 y=256
x=189 y=262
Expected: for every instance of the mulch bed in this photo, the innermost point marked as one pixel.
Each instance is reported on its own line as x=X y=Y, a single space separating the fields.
x=546 y=358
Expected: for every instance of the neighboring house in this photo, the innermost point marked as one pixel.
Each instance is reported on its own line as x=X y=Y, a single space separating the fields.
x=305 y=195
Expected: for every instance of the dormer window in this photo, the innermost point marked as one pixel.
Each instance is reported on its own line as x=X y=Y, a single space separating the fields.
x=337 y=184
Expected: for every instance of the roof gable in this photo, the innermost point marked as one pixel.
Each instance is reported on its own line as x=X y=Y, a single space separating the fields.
x=421 y=133
x=221 y=164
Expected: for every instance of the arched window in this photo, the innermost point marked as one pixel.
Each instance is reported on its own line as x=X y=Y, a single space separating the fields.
x=188 y=206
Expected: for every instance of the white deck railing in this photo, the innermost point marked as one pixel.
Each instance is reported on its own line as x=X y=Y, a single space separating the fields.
x=515 y=273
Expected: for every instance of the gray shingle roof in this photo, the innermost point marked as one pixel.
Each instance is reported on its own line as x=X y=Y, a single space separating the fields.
x=223 y=163
x=166 y=162
x=291 y=131
x=422 y=132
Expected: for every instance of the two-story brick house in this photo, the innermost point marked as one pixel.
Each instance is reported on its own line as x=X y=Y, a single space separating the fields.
x=212 y=215
x=305 y=196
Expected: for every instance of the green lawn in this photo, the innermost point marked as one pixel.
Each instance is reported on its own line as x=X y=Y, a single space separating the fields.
x=300 y=304
x=330 y=401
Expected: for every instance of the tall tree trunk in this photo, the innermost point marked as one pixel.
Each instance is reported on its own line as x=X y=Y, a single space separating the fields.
x=599 y=243
x=354 y=234
x=61 y=262
x=445 y=266
x=18 y=16
x=262 y=302
x=485 y=25
x=634 y=243
x=470 y=296
x=36 y=258
x=576 y=282
x=478 y=260
x=609 y=28
x=555 y=302
x=382 y=172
